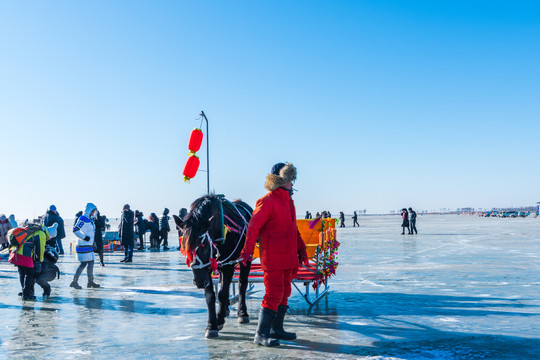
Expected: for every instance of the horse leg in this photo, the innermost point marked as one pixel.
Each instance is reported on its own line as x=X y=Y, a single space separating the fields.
x=243 y=317
x=225 y=278
x=210 y=297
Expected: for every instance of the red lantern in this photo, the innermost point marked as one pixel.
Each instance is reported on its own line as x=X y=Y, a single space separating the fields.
x=195 y=140
x=192 y=165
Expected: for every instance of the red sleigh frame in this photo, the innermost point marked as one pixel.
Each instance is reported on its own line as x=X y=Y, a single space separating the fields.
x=314 y=276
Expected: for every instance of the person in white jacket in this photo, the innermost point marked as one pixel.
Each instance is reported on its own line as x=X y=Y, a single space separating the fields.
x=85 y=229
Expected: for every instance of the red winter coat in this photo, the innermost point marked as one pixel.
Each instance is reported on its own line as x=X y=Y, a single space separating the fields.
x=274 y=223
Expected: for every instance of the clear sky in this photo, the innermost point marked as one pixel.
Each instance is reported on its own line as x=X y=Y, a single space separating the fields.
x=379 y=104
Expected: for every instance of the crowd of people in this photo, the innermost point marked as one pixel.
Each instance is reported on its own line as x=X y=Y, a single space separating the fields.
x=327 y=214
x=36 y=247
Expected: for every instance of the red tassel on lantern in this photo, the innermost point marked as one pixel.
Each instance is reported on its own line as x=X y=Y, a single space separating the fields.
x=192 y=165
x=195 y=140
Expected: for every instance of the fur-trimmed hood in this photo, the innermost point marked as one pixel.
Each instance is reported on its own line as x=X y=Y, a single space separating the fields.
x=286 y=173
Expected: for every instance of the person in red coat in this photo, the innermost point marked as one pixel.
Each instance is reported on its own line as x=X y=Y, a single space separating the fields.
x=281 y=249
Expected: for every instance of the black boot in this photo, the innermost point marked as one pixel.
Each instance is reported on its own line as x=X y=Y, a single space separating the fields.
x=92 y=284
x=262 y=335
x=276 y=331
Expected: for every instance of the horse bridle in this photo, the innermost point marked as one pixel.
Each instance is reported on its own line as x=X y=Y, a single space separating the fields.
x=213 y=246
x=212 y=243
x=206 y=236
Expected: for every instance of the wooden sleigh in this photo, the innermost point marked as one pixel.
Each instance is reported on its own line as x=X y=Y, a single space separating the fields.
x=311 y=281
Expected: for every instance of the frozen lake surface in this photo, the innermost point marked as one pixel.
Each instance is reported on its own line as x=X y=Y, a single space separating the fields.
x=463 y=288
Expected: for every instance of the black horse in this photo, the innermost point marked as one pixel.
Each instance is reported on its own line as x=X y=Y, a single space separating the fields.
x=214 y=235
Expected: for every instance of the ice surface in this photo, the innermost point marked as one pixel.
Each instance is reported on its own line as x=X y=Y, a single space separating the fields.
x=463 y=288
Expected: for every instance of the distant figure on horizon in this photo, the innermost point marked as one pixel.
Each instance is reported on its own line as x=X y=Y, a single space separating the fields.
x=126 y=232
x=341 y=219
x=405 y=223
x=317 y=215
x=308 y=215
x=412 y=222
x=355 y=219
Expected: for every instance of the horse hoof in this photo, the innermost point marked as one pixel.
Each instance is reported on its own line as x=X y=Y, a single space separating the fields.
x=220 y=323
x=243 y=319
x=211 y=334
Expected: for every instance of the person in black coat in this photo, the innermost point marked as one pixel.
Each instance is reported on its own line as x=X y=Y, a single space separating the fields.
x=341 y=219
x=412 y=222
x=164 y=229
x=355 y=220
x=140 y=228
x=99 y=222
x=153 y=225
x=126 y=233
x=52 y=216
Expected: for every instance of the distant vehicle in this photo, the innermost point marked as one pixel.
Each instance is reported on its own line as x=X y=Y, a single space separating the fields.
x=523 y=214
x=509 y=214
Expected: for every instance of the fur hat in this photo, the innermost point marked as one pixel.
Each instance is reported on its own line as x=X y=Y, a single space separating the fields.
x=281 y=174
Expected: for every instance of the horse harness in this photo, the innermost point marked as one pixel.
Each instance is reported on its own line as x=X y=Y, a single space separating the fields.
x=227 y=225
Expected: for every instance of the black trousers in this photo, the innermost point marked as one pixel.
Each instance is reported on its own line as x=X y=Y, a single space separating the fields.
x=412 y=227
x=27 y=276
x=164 y=235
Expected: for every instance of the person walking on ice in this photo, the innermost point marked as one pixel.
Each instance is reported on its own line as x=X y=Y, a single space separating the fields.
x=85 y=230
x=412 y=222
x=405 y=223
x=355 y=219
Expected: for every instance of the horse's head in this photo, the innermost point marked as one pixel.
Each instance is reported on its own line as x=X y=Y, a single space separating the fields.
x=199 y=228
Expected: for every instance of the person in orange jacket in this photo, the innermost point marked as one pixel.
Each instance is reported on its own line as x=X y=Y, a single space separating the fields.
x=281 y=249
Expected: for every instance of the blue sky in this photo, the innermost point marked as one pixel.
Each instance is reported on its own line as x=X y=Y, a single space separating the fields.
x=379 y=104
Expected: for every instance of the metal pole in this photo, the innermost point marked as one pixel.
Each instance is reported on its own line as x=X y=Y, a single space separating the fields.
x=207 y=155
